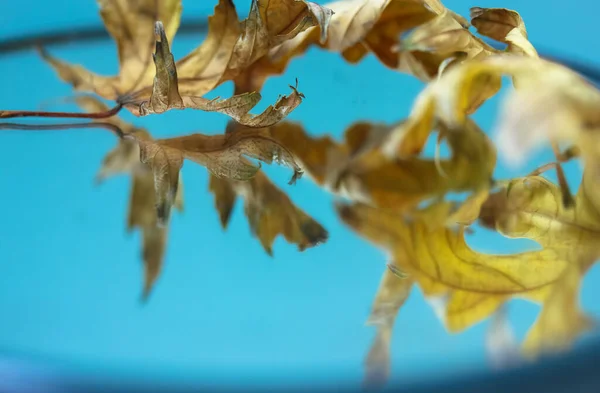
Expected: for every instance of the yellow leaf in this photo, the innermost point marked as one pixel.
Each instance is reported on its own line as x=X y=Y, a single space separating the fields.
x=443 y=255
x=402 y=183
x=465 y=308
x=532 y=207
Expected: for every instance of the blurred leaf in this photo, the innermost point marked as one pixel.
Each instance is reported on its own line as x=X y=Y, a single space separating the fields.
x=532 y=207
x=403 y=183
x=391 y=295
x=503 y=25
x=269 y=211
x=223 y=155
x=125 y=159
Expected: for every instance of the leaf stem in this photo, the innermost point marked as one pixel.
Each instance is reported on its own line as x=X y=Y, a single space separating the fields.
x=70 y=115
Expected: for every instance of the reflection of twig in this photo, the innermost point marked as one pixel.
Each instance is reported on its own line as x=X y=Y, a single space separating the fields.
x=43 y=127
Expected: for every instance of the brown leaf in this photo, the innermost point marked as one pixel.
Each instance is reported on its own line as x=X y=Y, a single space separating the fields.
x=312 y=153
x=131 y=24
x=444 y=35
x=165 y=95
x=223 y=155
x=228 y=49
x=503 y=25
x=269 y=211
x=269 y=24
x=356 y=28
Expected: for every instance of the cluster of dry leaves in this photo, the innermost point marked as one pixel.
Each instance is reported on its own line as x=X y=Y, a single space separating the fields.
x=396 y=197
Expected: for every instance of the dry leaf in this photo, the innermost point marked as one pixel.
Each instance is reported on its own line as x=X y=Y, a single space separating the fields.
x=550 y=104
x=131 y=25
x=269 y=24
x=357 y=27
x=445 y=36
x=439 y=39
x=269 y=210
x=403 y=183
x=503 y=25
x=356 y=168
x=453 y=264
x=228 y=49
x=440 y=262
x=532 y=207
x=223 y=155
x=165 y=95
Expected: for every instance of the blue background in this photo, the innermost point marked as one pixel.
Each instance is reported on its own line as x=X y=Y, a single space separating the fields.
x=222 y=311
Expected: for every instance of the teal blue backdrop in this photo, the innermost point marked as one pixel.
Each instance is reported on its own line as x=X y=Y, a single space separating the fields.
x=222 y=311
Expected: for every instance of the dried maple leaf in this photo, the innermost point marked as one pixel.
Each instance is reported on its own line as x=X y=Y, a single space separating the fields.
x=229 y=47
x=438 y=38
x=269 y=211
x=441 y=263
x=269 y=24
x=446 y=37
x=357 y=27
x=125 y=159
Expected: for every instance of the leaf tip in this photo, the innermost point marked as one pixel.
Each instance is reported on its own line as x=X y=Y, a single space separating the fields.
x=397 y=271
x=159 y=32
x=298 y=173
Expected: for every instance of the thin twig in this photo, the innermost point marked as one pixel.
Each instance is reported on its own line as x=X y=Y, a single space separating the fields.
x=71 y=115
